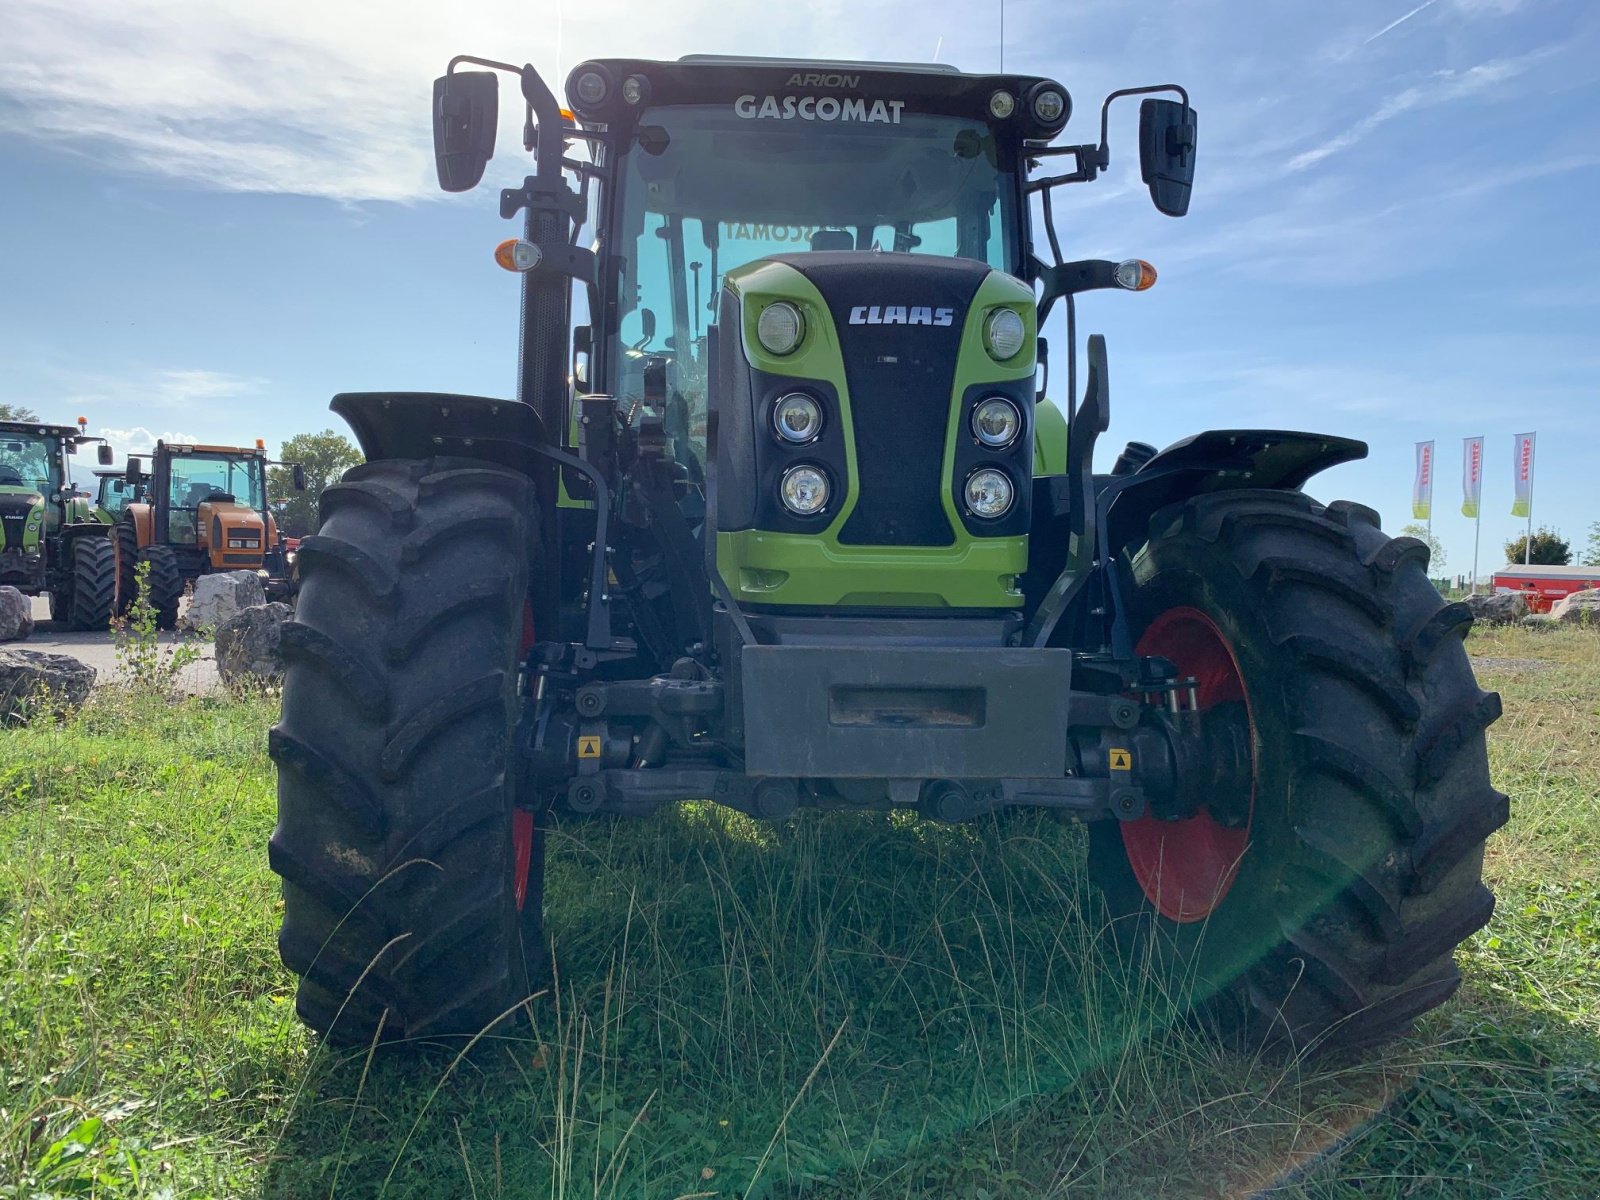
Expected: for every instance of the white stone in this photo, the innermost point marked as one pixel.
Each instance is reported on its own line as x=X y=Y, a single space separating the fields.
x=1580 y=608
x=218 y=597
x=247 y=645
x=16 y=615
x=31 y=679
x=1498 y=608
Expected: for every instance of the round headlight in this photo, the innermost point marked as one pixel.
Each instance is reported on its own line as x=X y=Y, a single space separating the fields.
x=989 y=493
x=996 y=422
x=591 y=89
x=1004 y=333
x=804 y=490
x=1002 y=104
x=797 y=418
x=1049 y=106
x=634 y=89
x=780 y=327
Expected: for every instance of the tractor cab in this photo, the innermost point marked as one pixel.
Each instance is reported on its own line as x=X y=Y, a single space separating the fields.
x=208 y=502
x=837 y=259
x=113 y=493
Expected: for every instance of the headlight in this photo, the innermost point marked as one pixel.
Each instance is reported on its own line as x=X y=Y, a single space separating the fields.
x=989 y=493
x=797 y=418
x=804 y=490
x=1002 y=104
x=1004 y=333
x=780 y=327
x=244 y=543
x=1049 y=106
x=996 y=422
x=591 y=89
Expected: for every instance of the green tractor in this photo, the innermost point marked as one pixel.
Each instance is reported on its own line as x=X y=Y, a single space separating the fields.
x=789 y=520
x=113 y=494
x=50 y=540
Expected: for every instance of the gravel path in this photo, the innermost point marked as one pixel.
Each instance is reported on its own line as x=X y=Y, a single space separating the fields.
x=99 y=650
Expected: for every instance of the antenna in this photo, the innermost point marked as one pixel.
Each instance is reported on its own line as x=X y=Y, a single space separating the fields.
x=1002 y=37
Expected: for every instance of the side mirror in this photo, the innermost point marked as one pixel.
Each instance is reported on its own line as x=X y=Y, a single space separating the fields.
x=466 y=106
x=133 y=474
x=1166 y=153
x=299 y=473
x=104 y=454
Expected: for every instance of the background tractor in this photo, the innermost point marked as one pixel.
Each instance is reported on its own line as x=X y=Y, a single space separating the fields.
x=49 y=538
x=790 y=520
x=198 y=509
x=113 y=493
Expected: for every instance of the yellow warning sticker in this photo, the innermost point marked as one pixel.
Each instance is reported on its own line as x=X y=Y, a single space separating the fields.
x=1121 y=760
x=589 y=746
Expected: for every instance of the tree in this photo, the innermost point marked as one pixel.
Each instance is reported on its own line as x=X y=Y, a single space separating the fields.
x=1435 y=547
x=325 y=456
x=1550 y=549
x=17 y=412
x=1591 y=556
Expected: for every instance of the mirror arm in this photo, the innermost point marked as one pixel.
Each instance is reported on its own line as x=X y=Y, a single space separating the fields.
x=1105 y=111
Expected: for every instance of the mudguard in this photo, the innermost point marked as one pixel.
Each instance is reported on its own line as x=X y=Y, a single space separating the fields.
x=1089 y=594
x=427 y=424
x=1214 y=461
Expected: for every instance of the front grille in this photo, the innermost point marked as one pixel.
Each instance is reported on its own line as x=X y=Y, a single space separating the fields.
x=15 y=526
x=899 y=407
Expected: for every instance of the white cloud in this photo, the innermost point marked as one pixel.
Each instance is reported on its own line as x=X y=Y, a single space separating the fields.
x=316 y=97
x=140 y=440
x=170 y=388
x=1440 y=88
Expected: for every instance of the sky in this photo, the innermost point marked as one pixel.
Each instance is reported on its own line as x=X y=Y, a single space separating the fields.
x=214 y=216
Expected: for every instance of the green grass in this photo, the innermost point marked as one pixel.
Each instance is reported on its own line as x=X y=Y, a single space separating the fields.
x=848 y=1005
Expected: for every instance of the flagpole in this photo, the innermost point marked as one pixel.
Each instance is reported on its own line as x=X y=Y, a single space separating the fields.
x=1477 y=528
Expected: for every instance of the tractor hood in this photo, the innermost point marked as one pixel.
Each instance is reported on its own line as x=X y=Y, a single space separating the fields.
x=894 y=351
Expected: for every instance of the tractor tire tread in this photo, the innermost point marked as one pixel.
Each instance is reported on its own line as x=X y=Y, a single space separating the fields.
x=417 y=609
x=1377 y=742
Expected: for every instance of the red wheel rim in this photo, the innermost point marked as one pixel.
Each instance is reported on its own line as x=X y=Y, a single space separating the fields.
x=1186 y=867
x=521 y=853
x=522 y=822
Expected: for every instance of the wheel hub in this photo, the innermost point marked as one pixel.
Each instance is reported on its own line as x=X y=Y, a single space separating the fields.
x=1186 y=864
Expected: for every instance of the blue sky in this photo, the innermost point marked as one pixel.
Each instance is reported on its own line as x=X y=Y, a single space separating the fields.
x=216 y=215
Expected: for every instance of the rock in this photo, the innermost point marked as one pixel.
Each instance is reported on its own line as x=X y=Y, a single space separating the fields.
x=16 y=615
x=1580 y=608
x=1498 y=608
x=247 y=646
x=1538 y=621
x=218 y=597
x=33 y=679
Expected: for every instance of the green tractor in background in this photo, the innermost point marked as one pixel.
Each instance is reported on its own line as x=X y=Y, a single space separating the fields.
x=113 y=493
x=790 y=520
x=50 y=539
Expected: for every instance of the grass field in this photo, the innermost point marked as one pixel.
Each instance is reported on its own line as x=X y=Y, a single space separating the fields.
x=845 y=1006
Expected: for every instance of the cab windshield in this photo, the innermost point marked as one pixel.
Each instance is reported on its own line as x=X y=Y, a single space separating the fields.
x=29 y=461
x=704 y=189
x=199 y=477
x=115 y=493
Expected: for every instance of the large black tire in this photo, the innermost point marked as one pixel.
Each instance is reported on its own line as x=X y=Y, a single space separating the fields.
x=1362 y=869
x=165 y=584
x=125 y=551
x=94 y=583
x=394 y=796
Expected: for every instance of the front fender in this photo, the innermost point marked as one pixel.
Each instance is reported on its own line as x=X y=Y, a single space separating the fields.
x=432 y=424
x=1214 y=461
